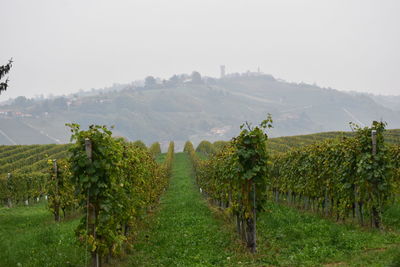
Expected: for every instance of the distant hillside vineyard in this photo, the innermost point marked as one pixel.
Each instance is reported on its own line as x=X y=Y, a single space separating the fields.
x=189 y=107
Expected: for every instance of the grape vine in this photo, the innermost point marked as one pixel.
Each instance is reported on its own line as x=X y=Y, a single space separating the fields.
x=117 y=182
x=234 y=176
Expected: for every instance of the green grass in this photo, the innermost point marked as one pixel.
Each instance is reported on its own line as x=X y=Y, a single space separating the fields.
x=29 y=237
x=184 y=232
x=288 y=237
x=391 y=216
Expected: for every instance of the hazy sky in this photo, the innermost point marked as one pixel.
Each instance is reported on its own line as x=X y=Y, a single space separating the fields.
x=61 y=46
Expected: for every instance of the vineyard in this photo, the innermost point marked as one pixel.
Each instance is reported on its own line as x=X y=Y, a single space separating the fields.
x=283 y=144
x=23 y=171
x=292 y=201
x=353 y=174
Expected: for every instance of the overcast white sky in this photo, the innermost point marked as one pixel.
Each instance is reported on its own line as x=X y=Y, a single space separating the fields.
x=61 y=46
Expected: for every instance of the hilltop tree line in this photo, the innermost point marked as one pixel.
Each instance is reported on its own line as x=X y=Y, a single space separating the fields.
x=175 y=80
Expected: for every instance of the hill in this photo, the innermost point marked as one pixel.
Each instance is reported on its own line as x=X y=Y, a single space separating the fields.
x=192 y=108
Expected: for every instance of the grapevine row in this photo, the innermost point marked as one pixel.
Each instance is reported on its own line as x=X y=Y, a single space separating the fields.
x=12 y=150
x=24 y=188
x=116 y=183
x=233 y=176
x=27 y=180
x=351 y=177
x=343 y=178
x=30 y=157
x=26 y=183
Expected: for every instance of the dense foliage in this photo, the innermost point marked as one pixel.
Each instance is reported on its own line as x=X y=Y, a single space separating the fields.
x=235 y=176
x=220 y=145
x=155 y=149
x=24 y=188
x=118 y=182
x=395 y=159
x=23 y=172
x=285 y=143
x=60 y=189
x=341 y=177
x=353 y=176
x=206 y=148
x=139 y=144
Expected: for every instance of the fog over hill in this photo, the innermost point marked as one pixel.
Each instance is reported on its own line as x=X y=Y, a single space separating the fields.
x=191 y=107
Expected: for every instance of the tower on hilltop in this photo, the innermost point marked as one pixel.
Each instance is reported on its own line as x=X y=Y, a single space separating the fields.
x=222 y=71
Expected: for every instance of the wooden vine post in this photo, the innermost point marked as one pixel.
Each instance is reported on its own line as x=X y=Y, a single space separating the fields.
x=358 y=206
x=253 y=224
x=9 y=187
x=91 y=210
x=375 y=216
x=56 y=193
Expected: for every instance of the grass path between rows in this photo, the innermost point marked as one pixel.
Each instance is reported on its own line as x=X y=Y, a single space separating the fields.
x=184 y=232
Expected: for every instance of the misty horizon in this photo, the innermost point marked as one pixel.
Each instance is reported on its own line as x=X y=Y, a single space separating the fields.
x=139 y=83
x=62 y=47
